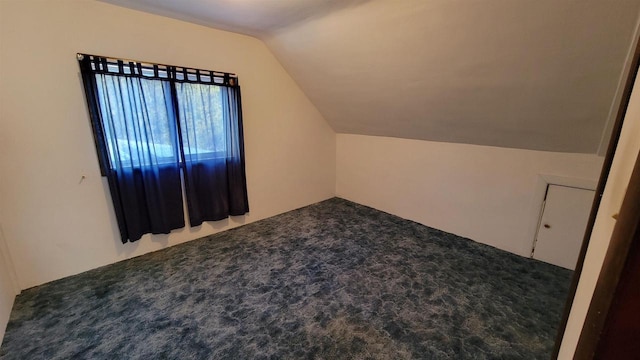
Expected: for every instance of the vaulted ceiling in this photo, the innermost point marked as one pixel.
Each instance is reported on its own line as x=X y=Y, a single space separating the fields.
x=533 y=74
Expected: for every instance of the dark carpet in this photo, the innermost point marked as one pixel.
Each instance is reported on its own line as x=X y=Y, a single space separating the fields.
x=334 y=280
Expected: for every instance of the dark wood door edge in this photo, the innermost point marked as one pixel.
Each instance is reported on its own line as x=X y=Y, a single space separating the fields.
x=604 y=174
x=623 y=236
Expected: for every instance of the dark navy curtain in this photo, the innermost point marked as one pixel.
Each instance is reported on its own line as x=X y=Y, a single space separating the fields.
x=139 y=130
x=151 y=121
x=212 y=150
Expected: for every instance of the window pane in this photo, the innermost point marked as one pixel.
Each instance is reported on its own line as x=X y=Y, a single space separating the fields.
x=138 y=121
x=201 y=121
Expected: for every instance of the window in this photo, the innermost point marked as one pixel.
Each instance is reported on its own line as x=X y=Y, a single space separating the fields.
x=196 y=103
x=137 y=122
x=151 y=122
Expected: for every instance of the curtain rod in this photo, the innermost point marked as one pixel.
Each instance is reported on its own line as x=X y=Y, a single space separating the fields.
x=80 y=57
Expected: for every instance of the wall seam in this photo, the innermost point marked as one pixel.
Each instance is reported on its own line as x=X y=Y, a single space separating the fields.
x=617 y=97
x=6 y=256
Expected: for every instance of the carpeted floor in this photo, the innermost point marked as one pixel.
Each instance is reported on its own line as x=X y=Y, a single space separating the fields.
x=334 y=280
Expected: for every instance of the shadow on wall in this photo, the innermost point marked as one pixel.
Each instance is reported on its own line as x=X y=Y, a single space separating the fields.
x=318 y=9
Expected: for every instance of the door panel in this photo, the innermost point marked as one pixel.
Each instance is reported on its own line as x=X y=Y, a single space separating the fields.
x=562 y=225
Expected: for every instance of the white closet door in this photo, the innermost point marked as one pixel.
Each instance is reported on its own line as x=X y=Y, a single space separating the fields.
x=562 y=226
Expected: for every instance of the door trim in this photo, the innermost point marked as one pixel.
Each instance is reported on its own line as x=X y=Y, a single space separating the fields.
x=604 y=174
x=624 y=233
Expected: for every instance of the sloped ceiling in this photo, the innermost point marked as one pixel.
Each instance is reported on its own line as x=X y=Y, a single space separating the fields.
x=533 y=74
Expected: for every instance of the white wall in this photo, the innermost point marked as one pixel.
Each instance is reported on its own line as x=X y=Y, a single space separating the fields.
x=615 y=189
x=488 y=194
x=56 y=226
x=8 y=285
